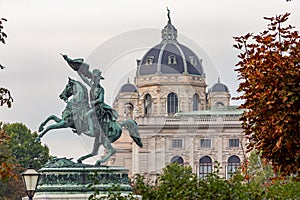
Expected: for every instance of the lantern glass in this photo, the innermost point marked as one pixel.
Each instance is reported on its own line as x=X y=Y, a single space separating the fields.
x=30 y=178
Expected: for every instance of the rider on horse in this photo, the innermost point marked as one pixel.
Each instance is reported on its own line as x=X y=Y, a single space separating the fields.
x=105 y=114
x=95 y=118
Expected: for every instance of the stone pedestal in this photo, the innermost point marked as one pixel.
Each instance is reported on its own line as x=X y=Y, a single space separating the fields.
x=64 y=179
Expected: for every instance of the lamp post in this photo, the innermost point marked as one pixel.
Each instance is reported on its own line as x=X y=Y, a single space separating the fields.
x=30 y=179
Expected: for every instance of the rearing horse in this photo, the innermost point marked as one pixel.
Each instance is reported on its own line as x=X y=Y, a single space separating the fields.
x=74 y=117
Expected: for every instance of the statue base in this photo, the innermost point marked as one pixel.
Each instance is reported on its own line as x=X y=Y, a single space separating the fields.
x=64 y=179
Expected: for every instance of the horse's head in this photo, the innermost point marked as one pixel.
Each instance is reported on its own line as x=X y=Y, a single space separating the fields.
x=68 y=91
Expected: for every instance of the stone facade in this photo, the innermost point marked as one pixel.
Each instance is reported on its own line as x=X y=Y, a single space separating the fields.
x=179 y=121
x=220 y=128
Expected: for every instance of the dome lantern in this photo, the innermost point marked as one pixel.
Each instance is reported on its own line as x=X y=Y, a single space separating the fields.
x=169 y=57
x=169 y=33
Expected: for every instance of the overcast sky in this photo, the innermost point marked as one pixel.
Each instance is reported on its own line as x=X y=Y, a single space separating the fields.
x=111 y=35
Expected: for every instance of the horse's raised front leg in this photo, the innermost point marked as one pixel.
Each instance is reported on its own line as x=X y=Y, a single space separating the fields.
x=51 y=117
x=94 y=152
x=111 y=151
x=60 y=124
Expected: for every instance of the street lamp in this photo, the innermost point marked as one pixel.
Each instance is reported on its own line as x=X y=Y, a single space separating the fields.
x=30 y=179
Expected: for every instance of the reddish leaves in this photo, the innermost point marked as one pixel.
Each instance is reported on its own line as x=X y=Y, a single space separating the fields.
x=6 y=168
x=270 y=74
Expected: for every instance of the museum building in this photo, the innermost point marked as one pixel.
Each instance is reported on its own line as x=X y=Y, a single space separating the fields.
x=180 y=119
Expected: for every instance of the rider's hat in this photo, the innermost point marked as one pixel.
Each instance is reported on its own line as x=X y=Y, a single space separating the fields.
x=98 y=73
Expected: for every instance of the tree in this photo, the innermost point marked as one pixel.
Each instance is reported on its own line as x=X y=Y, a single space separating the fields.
x=9 y=169
x=23 y=146
x=6 y=161
x=10 y=180
x=178 y=182
x=6 y=164
x=259 y=170
x=269 y=71
x=5 y=96
x=21 y=149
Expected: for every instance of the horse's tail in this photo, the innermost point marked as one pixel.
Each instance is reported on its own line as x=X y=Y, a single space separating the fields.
x=132 y=127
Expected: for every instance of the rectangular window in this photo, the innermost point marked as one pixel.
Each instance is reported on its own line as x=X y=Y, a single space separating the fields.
x=205 y=142
x=205 y=169
x=234 y=143
x=176 y=143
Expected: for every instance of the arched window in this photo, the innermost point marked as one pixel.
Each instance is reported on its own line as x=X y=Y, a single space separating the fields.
x=172 y=106
x=195 y=102
x=149 y=60
x=128 y=110
x=147 y=105
x=234 y=162
x=205 y=166
x=219 y=104
x=172 y=60
x=177 y=159
x=193 y=60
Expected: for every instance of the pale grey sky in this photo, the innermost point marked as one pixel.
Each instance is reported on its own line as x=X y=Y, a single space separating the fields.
x=111 y=35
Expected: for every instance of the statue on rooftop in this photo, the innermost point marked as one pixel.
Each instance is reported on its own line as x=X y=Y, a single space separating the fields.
x=169 y=15
x=89 y=114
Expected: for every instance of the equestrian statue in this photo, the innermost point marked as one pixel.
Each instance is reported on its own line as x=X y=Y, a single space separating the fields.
x=88 y=114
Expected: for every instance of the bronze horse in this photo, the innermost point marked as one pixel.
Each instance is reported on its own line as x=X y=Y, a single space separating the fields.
x=74 y=117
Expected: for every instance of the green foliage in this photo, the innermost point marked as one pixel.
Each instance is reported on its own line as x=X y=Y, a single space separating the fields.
x=92 y=185
x=143 y=187
x=19 y=149
x=178 y=182
x=269 y=71
x=213 y=187
x=283 y=189
x=113 y=193
x=23 y=146
x=6 y=159
x=10 y=179
x=259 y=170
